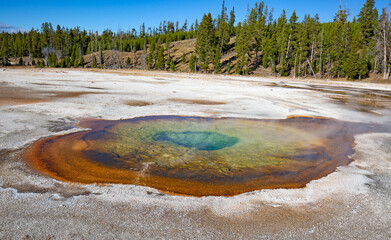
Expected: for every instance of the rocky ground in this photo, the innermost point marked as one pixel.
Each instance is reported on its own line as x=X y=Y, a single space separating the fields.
x=351 y=203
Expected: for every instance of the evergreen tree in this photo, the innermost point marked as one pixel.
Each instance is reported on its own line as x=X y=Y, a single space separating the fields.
x=20 y=62
x=63 y=63
x=74 y=55
x=196 y=26
x=168 y=61
x=102 y=59
x=206 y=41
x=368 y=18
x=352 y=64
x=257 y=27
x=52 y=60
x=172 y=65
x=340 y=42
x=223 y=29
x=192 y=63
x=81 y=62
x=291 y=49
x=243 y=45
x=151 y=60
x=128 y=61
x=152 y=55
x=184 y=58
x=4 y=50
x=160 y=59
x=281 y=43
x=76 y=62
x=168 y=42
x=383 y=47
x=368 y=21
x=217 y=59
x=184 y=27
x=93 y=64
x=228 y=68
x=231 y=22
x=68 y=62
x=47 y=31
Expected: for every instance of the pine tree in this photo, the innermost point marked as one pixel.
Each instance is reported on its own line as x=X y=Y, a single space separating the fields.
x=128 y=62
x=93 y=64
x=68 y=62
x=160 y=59
x=168 y=42
x=102 y=59
x=228 y=68
x=383 y=43
x=168 y=61
x=184 y=27
x=355 y=65
x=196 y=26
x=74 y=55
x=368 y=20
x=303 y=50
x=258 y=28
x=223 y=29
x=4 y=51
x=172 y=65
x=291 y=49
x=151 y=55
x=243 y=45
x=81 y=62
x=340 y=42
x=217 y=59
x=76 y=62
x=63 y=63
x=231 y=22
x=184 y=58
x=281 y=43
x=206 y=41
x=192 y=63
x=52 y=60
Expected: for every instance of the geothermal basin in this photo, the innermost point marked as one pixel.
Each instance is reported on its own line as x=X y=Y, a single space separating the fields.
x=200 y=156
x=115 y=154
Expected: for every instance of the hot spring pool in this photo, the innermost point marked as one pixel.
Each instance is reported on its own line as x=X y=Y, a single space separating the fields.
x=199 y=156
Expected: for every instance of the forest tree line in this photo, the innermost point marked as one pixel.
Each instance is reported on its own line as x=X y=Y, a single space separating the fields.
x=288 y=47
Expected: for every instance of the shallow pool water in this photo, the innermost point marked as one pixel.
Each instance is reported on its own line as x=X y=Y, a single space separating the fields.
x=200 y=140
x=199 y=156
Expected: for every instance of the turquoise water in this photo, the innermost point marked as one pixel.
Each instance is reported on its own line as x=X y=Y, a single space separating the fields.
x=209 y=141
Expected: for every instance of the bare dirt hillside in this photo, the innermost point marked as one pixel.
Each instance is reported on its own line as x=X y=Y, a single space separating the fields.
x=116 y=59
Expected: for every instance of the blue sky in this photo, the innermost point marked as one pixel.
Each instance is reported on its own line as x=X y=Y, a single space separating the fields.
x=99 y=15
